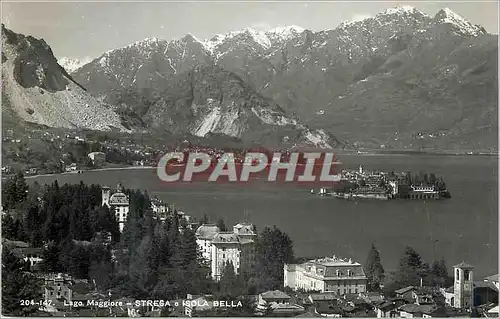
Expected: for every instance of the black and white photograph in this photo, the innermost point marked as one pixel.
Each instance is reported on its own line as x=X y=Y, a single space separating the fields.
x=249 y=159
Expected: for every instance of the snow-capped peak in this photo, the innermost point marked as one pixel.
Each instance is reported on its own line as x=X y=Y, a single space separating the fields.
x=145 y=42
x=71 y=64
x=214 y=42
x=258 y=36
x=287 y=30
x=399 y=10
x=285 y=33
x=447 y=16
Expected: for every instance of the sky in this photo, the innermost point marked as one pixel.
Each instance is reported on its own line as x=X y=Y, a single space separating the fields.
x=87 y=29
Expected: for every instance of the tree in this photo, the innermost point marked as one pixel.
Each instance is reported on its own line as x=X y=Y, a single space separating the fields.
x=31 y=224
x=432 y=179
x=18 y=285
x=14 y=191
x=103 y=220
x=189 y=248
x=273 y=249
x=204 y=219
x=440 y=184
x=411 y=269
x=101 y=268
x=439 y=273
x=10 y=227
x=229 y=285
x=142 y=271
x=50 y=256
x=374 y=270
x=79 y=261
x=221 y=225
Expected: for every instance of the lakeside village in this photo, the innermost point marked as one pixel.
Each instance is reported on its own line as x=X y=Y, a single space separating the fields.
x=41 y=151
x=362 y=184
x=78 y=250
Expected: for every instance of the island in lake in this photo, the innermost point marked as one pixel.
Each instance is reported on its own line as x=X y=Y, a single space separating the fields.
x=360 y=183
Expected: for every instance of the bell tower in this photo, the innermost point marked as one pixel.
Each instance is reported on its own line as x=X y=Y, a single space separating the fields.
x=463 y=286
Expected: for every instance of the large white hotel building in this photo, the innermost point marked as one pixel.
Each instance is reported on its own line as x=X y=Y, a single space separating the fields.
x=328 y=274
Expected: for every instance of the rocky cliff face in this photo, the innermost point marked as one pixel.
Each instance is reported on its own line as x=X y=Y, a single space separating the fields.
x=35 y=88
x=210 y=100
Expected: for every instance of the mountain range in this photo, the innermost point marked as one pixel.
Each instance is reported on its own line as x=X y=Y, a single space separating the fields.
x=401 y=79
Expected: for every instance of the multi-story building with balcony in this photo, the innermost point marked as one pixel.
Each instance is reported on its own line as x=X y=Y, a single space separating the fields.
x=219 y=248
x=232 y=248
x=118 y=201
x=328 y=274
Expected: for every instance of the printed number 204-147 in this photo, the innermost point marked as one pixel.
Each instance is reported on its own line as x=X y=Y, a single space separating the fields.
x=36 y=303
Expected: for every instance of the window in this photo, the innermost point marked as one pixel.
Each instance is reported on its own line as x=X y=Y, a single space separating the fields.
x=457 y=276
x=466 y=275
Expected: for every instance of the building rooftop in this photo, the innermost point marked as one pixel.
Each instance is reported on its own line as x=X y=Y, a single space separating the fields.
x=405 y=290
x=464 y=265
x=157 y=201
x=275 y=294
x=492 y=278
x=414 y=308
x=485 y=284
x=15 y=243
x=290 y=267
x=334 y=261
x=386 y=305
x=207 y=231
x=334 y=267
x=229 y=237
x=118 y=199
x=244 y=229
x=322 y=296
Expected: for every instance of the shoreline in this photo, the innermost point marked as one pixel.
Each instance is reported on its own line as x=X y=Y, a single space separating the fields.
x=369 y=152
x=90 y=170
x=337 y=152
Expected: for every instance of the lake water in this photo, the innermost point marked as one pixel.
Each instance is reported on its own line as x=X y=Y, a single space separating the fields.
x=464 y=228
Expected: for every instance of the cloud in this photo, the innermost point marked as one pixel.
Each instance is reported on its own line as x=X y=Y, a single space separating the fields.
x=261 y=26
x=360 y=16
